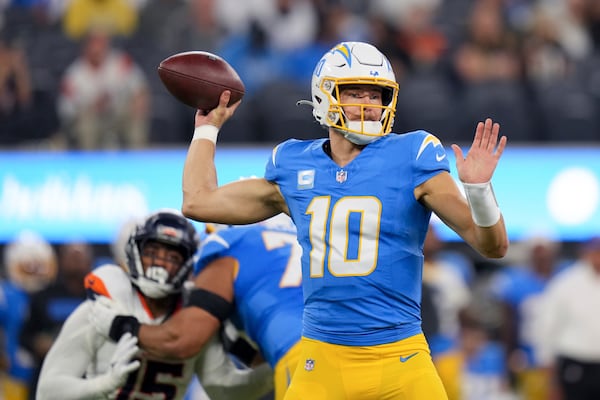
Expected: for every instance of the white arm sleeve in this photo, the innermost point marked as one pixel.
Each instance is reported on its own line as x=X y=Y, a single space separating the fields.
x=65 y=365
x=222 y=380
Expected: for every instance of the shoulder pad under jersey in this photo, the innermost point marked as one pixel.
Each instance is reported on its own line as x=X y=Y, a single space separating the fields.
x=108 y=280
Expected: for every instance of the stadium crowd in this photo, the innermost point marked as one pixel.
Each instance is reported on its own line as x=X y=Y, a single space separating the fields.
x=532 y=65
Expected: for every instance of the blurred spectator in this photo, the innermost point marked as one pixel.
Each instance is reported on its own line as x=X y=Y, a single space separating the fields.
x=338 y=21
x=104 y=100
x=30 y=264
x=4 y=362
x=419 y=38
x=254 y=58
x=397 y=11
x=430 y=320
x=51 y=306
x=16 y=95
x=570 y=19
x=118 y=17
x=450 y=295
x=530 y=64
x=489 y=67
x=568 y=328
x=563 y=93
x=489 y=51
x=180 y=25
x=593 y=22
x=289 y=24
x=274 y=32
x=483 y=373
x=519 y=289
x=424 y=49
x=546 y=60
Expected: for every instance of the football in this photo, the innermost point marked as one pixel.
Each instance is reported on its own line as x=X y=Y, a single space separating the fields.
x=197 y=78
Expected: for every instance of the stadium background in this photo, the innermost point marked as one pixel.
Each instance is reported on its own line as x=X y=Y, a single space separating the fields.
x=531 y=65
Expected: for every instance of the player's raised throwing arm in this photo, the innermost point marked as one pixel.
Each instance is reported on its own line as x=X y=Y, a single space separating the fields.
x=241 y=202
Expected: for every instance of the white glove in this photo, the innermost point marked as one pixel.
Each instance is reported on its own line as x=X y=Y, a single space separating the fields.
x=103 y=313
x=121 y=365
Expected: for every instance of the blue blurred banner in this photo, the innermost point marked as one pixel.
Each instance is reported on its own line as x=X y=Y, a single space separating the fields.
x=89 y=195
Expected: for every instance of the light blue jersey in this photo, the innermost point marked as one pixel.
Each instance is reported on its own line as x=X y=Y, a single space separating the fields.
x=14 y=307
x=362 y=233
x=267 y=286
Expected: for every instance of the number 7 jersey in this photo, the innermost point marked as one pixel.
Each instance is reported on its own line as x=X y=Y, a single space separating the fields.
x=362 y=231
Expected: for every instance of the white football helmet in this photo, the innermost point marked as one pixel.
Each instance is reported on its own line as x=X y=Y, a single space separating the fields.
x=30 y=261
x=353 y=63
x=169 y=227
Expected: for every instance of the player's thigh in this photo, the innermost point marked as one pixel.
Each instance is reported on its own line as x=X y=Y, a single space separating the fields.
x=317 y=375
x=284 y=370
x=415 y=378
x=397 y=371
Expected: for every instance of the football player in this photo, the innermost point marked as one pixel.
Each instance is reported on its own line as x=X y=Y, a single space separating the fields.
x=361 y=199
x=82 y=364
x=249 y=275
x=31 y=265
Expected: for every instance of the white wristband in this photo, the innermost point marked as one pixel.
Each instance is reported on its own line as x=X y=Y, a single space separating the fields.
x=482 y=201
x=208 y=132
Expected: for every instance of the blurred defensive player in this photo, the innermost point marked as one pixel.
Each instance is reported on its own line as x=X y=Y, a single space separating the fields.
x=82 y=364
x=250 y=274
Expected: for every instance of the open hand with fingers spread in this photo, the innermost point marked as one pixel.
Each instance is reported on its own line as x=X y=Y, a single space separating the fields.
x=481 y=160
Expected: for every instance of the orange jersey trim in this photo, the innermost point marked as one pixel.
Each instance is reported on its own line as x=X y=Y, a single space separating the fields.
x=95 y=284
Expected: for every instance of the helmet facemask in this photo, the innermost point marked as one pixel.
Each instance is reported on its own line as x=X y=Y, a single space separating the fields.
x=360 y=131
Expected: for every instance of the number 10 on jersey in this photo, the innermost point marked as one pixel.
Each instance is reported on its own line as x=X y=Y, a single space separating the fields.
x=344 y=235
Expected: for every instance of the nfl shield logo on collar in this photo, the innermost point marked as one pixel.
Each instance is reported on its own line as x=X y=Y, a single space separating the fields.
x=309 y=365
x=341 y=176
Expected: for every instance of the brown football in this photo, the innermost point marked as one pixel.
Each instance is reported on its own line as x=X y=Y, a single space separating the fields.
x=197 y=78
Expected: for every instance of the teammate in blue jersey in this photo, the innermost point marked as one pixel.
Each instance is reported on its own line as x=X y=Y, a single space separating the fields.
x=31 y=265
x=264 y=261
x=361 y=200
x=249 y=274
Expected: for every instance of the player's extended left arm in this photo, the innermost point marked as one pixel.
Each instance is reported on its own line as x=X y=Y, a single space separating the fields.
x=487 y=234
x=180 y=337
x=476 y=218
x=441 y=195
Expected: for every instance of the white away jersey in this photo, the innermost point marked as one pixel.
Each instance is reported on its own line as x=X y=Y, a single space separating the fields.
x=80 y=351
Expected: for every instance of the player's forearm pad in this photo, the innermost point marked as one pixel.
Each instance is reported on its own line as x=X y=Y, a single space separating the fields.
x=208 y=132
x=123 y=324
x=482 y=201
